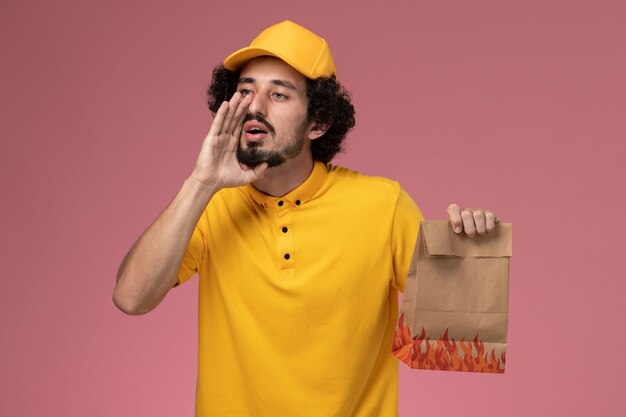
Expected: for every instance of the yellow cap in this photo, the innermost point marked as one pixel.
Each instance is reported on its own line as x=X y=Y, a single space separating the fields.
x=297 y=46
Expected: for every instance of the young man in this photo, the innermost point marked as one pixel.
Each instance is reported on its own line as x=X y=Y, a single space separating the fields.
x=299 y=261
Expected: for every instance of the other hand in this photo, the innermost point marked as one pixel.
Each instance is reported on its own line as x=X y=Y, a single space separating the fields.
x=471 y=221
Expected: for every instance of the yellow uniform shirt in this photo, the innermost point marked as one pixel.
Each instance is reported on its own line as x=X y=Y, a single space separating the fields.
x=298 y=297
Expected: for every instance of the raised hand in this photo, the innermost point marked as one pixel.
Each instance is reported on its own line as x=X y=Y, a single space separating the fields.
x=217 y=165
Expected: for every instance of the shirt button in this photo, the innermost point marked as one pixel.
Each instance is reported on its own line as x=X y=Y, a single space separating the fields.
x=287 y=256
x=280 y=203
x=285 y=230
x=297 y=202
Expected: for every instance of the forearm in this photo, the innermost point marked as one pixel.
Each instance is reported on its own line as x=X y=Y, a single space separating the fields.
x=150 y=268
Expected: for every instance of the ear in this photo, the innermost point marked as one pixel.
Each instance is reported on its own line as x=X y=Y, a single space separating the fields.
x=318 y=129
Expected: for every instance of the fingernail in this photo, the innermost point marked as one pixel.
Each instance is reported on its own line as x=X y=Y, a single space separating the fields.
x=457 y=229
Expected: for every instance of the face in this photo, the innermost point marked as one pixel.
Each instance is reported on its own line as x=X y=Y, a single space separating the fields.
x=277 y=127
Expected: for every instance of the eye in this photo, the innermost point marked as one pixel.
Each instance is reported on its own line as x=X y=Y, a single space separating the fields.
x=244 y=92
x=280 y=96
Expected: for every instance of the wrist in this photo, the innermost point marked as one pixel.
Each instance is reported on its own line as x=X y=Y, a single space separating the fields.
x=200 y=189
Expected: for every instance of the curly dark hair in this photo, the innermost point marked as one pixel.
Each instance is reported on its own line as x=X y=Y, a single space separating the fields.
x=328 y=103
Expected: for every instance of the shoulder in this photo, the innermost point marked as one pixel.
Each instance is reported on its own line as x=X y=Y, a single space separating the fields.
x=357 y=182
x=234 y=195
x=372 y=192
x=230 y=202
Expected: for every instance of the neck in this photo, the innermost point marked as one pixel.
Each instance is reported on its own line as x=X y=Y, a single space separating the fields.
x=280 y=180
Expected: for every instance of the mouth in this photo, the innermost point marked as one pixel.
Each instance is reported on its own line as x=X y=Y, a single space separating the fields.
x=255 y=131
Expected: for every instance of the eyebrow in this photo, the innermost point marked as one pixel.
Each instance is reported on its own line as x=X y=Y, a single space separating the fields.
x=282 y=83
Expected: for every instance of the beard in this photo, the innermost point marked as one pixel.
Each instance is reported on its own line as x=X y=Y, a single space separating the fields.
x=252 y=155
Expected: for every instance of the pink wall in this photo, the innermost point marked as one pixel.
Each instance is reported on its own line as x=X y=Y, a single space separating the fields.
x=513 y=105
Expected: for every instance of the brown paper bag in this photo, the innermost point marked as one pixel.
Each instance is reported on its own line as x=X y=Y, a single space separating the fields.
x=454 y=312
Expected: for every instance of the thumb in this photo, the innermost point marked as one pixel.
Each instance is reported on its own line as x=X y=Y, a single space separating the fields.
x=255 y=173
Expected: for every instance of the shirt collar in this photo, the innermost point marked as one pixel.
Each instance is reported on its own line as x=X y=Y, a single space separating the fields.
x=299 y=195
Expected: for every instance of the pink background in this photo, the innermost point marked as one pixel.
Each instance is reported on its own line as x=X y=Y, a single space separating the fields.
x=517 y=106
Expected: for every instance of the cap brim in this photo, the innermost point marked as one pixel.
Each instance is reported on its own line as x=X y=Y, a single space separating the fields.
x=237 y=59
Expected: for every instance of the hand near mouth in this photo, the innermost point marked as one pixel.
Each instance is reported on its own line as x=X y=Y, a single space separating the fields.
x=217 y=165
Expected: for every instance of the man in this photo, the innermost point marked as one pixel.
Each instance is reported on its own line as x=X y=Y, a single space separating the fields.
x=299 y=261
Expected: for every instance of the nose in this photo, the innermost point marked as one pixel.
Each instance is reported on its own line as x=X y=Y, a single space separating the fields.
x=258 y=104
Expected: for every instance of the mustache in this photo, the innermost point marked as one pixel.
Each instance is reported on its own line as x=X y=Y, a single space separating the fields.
x=260 y=119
